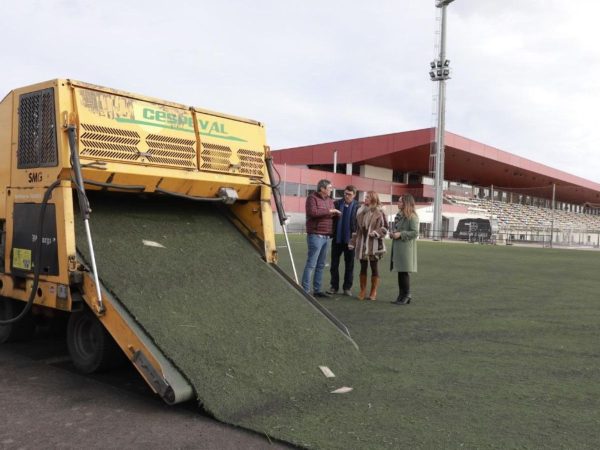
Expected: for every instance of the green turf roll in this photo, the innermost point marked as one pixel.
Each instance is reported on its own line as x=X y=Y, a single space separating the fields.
x=248 y=342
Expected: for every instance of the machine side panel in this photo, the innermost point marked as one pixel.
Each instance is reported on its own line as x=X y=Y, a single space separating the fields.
x=40 y=152
x=230 y=146
x=37 y=130
x=37 y=144
x=119 y=128
x=6 y=108
x=26 y=218
x=58 y=257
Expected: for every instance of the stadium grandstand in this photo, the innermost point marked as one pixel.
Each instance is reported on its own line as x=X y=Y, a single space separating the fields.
x=528 y=202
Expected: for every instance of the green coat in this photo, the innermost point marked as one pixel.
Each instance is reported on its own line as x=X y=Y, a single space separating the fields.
x=404 y=250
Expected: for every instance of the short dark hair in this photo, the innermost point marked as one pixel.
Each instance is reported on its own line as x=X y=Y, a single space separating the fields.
x=351 y=187
x=322 y=184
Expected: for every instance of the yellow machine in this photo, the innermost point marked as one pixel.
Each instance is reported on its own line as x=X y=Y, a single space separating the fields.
x=62 y=136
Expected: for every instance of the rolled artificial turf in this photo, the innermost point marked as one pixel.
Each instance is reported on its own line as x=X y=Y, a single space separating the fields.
x=247 y=341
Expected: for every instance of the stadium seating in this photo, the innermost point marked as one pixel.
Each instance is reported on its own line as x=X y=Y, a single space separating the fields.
x=516 y=216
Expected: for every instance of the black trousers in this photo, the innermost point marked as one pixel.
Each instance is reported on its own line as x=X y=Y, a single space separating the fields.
x=404 y=283
x=336 y=252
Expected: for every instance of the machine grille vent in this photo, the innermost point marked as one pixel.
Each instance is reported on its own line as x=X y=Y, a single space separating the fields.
x=37 y=130
x=109 y=143
x=215 y=157
x=171 y=151
x=251 y=162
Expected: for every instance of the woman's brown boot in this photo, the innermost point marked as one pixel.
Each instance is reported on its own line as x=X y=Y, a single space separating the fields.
x=374 y=286
x=363 y=286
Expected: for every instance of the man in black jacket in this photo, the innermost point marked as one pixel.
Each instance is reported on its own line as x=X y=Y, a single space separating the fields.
x=343 y=227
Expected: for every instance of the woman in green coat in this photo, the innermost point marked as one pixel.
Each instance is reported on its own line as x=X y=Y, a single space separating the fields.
x=404 y=233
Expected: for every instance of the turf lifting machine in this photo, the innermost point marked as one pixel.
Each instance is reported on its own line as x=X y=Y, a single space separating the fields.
x=63 y=137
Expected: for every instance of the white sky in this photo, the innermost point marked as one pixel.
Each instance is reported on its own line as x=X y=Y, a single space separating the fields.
x=526 y=74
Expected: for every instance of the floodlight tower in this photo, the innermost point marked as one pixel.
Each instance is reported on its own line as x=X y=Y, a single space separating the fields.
x=440 y=72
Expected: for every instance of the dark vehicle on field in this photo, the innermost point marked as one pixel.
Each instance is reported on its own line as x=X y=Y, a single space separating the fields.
x=476 y=230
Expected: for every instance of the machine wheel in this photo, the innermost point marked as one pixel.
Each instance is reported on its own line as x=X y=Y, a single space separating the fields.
x=20 y=331
x=91 y=347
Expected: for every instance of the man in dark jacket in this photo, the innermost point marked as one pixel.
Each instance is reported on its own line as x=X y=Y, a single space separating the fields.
x=320 y=212
x=343 y=227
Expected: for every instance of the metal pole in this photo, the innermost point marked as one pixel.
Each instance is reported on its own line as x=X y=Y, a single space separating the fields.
x=85 y=212
x=335 y=161
x=440 y=77
x=552 y=217
x=285 y=192
x=439 y=165
x=287 y=242
x=279 y=206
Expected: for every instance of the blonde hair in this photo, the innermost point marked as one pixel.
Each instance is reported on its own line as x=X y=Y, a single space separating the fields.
x=408 y=206
x=374 y=199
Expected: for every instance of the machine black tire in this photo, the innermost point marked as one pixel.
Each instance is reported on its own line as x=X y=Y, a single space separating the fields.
x=91 y=347
x=22 y=330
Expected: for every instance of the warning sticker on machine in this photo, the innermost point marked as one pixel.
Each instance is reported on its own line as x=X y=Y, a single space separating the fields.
x=22 y=258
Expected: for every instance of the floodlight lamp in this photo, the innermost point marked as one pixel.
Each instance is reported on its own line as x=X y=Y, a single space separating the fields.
x=439 y=73
x=432 y=64
x=446 y=72
x=432 y=74
x=447 y=63
x=439 y=63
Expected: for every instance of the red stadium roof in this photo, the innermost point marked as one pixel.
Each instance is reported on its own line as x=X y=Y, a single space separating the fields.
x=466 y=161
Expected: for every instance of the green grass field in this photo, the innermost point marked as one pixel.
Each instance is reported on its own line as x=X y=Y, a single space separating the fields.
x=499 y=349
